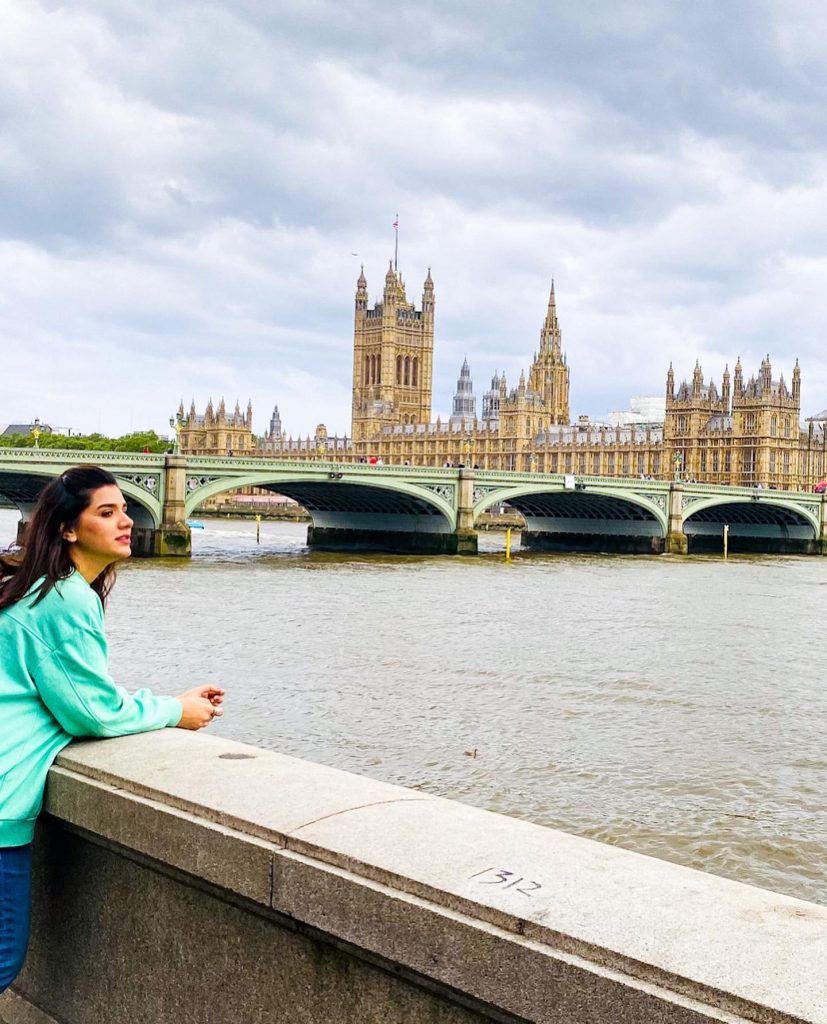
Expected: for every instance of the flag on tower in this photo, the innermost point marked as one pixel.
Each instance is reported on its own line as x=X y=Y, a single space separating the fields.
x=396 y=223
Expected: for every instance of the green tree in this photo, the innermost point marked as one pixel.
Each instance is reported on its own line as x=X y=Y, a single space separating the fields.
x=134 y=442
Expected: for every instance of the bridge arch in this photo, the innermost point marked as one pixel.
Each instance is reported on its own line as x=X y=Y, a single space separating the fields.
x=756 y=523
x=587 y=516
x=22 y=486
x=336 y=498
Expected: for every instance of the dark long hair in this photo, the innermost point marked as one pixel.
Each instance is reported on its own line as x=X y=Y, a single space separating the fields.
x=43 y=553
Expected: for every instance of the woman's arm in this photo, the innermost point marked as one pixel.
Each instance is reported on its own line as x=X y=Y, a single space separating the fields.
x=74 y=683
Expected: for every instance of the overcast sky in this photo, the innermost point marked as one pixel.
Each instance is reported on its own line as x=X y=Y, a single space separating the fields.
x=187 y=191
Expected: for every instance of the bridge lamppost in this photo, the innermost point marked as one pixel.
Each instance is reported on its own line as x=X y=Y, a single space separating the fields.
x=468 y=448
x=532 y=462
x=177 y=422
x=36 y=432
x=678 y=459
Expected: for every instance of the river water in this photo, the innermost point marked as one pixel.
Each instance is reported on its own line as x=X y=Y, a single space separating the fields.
x=672 y=706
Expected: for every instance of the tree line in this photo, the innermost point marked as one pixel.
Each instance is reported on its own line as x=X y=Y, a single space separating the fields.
x=134 y=442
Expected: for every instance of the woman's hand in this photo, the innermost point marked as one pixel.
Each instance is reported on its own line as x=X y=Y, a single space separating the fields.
x=201 y=705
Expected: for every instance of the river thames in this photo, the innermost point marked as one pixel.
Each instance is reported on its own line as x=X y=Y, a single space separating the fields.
x=672 y=706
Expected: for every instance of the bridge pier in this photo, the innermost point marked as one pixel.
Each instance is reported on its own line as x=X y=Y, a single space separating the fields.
x=173 y=537
x=676 y=540
x=465 y=534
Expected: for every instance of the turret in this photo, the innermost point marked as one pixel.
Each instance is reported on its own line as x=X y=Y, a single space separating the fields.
x=670 y=383
x=361 y=291
x=697 y=380
x=249 y=420
x=275 y=425
x=550 y=333
x=391 y=287
x=796 y=383
x=465 y=403
x=428 y=295
x=738 y=379
x=766 y=375
x=726 y=390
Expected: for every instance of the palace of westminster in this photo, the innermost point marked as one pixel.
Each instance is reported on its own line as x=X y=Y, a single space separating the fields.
x=745 y=433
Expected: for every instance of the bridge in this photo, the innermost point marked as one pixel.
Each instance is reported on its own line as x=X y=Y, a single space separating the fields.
x=420 y=509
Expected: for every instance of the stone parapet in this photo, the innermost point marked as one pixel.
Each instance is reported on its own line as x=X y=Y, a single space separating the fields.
x=189 y=878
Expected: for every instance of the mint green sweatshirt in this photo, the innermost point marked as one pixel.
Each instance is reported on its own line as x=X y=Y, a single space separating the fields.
x=55 y=686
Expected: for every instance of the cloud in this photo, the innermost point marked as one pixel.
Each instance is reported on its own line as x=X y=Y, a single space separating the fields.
x=182 y=187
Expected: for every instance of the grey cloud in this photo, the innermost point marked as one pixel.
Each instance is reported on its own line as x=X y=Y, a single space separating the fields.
x=189 y=177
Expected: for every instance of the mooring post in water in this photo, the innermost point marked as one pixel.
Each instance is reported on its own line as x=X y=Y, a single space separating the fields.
x=258 y=529
x=508 y=543
x=726 y=540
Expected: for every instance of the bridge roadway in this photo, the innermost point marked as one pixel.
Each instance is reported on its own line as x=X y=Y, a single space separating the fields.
x=420 y=509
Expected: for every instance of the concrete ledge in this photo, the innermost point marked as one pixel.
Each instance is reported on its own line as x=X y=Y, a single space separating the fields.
x=492 y=918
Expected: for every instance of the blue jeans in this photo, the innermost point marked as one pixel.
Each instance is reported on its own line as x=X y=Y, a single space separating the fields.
x=15 y=904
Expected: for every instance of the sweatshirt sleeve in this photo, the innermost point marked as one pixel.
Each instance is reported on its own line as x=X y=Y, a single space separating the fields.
x=74 y=683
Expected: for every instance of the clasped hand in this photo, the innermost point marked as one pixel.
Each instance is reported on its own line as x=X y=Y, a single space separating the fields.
x=201 y=705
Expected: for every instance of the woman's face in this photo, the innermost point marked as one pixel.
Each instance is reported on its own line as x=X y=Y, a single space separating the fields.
x=102 y=534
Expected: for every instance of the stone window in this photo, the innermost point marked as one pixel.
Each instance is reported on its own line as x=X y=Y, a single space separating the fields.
x=774 y=426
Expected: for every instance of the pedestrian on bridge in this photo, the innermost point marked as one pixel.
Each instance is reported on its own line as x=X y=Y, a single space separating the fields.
x=54 y=678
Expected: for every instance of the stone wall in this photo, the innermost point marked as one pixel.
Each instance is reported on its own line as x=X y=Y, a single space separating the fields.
x=185 y=878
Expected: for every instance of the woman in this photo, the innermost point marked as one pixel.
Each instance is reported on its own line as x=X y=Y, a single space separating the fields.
x=54 y=679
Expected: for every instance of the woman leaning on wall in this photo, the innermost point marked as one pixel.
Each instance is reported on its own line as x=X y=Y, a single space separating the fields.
x=54 y=677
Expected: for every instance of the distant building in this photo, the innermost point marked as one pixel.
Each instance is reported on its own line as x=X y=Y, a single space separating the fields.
x=216 y=432
x=747 y=433
x=24 y=429
x=465 y=404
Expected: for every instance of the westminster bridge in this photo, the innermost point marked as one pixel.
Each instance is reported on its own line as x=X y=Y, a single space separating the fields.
x=420 y=509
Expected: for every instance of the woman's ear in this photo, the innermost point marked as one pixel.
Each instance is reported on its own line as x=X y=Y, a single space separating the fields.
x=69 y=536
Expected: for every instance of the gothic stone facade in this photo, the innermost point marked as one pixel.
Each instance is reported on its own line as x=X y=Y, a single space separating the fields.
x=746 y=433
x=216 y=432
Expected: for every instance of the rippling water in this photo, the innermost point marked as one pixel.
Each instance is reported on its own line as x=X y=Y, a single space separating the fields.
x=670 y=706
